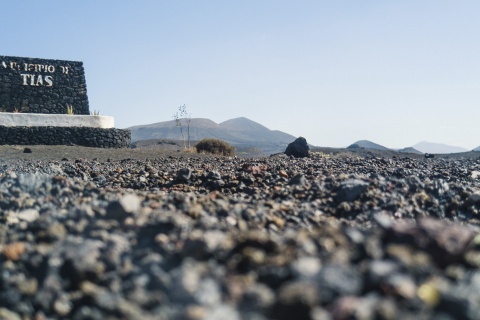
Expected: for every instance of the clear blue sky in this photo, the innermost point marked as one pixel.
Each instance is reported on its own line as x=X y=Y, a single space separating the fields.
x=336 y=71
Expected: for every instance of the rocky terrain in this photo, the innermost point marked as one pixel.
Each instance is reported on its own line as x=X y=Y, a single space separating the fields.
x=138 y=234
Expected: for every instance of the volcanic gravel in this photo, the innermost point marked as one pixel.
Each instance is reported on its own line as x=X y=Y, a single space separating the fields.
x=180 y=237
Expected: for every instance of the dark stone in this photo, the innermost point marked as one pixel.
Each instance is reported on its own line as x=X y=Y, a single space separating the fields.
x=80 y=136
x=446 y=243
x=42 y=86
x=123 y=208
x=27 y=150
x=339 y=280
x=298 y=148
x=351 y=190
x=184 y=174
x=296 y=300
x=50 y=86
x=214 y=175
x=298 y=180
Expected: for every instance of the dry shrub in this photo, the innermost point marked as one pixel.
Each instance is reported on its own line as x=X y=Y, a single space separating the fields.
x=215 y=146
x=190 y=150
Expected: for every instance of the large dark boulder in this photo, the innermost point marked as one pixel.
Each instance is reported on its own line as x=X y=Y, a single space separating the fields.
x=298 y=148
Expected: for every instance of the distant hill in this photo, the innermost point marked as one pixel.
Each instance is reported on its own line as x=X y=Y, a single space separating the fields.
x=419 y=148
x=240 y=132
x=369 y=145
x=366 y=145
x=439 y=148
x=409 y=150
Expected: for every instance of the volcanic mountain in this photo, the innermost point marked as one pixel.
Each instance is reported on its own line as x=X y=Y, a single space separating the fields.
x=366 y=145
x=430 y=147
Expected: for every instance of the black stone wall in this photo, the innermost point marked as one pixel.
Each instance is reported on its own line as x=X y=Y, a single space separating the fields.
x=42 y=86
x=79 y=136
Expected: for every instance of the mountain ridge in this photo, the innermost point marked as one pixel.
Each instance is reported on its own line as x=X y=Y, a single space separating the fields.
x=437 y=148
x=419 y=148
x=243 y=132
x=367 y=145
x=237 y=131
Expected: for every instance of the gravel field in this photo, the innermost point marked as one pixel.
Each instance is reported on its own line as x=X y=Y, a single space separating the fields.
x=147 y=234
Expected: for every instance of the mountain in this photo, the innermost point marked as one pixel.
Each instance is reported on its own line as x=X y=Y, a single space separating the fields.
x=430 y=147
x=243 y=124
x=409 y=150
x=366 y=145
x=239 y=132
x=253 y=131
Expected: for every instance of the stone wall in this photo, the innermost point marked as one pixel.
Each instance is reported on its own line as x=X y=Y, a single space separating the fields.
x=79 y=136
x=30 y=85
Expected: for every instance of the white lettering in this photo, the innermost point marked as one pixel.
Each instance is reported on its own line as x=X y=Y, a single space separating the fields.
x=33 y=67
x=49 y=81
x=64 y=69
x=24 y=76
x=4 y=65
x=39 y=81
x=33 y=80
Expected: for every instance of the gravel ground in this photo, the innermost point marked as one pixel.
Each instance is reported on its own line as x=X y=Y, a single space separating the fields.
x=134 y=234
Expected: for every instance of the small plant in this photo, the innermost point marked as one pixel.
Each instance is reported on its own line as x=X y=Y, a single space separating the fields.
x=70 y=109
x=321 y=154
x=16 y=110
x=215 y=146
x=95 y=113
x=190 y=150
x=180 y=115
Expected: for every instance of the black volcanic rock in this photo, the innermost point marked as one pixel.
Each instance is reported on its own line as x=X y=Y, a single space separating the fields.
x=323 y=237
x=298 y=148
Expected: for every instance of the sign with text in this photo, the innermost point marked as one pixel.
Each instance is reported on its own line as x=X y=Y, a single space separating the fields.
x=42 y=86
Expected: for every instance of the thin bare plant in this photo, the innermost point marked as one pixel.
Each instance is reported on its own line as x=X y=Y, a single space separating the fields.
x=182 y=117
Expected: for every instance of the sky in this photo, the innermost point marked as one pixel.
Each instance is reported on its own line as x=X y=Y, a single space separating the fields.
x=332 y=71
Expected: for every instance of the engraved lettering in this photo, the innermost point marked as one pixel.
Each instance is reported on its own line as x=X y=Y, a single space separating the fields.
x=51 y=69
x=4 y=65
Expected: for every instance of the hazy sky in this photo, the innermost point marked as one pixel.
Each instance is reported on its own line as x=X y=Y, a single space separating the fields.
x=336 y=71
